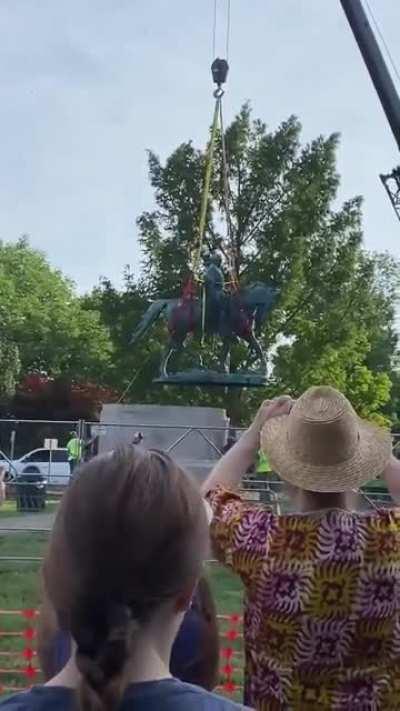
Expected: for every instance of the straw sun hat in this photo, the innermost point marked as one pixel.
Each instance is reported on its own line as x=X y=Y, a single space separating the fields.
x=322 y=445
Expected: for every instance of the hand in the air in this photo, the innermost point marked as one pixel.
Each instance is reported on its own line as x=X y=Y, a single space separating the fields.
x=270 y=408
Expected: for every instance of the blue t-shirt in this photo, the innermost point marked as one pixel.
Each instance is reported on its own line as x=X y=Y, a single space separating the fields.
x=164 y=695
x=185 y=651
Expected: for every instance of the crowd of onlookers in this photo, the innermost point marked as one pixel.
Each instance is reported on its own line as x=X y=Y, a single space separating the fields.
x=128 y=621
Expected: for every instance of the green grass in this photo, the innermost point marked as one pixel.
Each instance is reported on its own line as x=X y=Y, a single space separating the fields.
x=19 y=590
x=19 y=579
x=8 y=508
x=226 y=588
x=228 y=595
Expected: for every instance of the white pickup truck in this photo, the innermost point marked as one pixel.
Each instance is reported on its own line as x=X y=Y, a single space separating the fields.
x=53 y=465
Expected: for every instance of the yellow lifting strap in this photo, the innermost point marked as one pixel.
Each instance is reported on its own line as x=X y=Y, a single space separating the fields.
x=206 y=186
x=219 y=70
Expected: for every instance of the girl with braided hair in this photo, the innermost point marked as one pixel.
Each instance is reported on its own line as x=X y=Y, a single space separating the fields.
x=124 y=559
x=195 y=652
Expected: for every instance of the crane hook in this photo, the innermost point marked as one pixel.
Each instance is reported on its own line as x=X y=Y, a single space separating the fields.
x=219 y=71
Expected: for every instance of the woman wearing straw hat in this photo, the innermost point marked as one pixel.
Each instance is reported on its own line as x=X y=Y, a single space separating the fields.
x=322 y=602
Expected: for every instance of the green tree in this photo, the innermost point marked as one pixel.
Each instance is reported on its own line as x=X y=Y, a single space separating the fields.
x=351 y=344
x=43 y=321
x=334 y=320
x=9 y=368
x=133 y=368
x=120 y=310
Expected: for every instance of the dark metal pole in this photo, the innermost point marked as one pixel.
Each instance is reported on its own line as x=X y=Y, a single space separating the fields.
x=375 y=63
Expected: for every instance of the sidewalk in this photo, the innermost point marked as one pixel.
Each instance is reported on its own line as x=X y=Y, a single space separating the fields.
x=26 y=522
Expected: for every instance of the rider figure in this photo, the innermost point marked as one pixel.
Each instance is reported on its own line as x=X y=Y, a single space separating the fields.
x=214 y=287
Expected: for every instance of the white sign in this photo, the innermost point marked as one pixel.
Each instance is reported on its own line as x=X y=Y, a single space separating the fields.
x=98 y=430
x=51 y=444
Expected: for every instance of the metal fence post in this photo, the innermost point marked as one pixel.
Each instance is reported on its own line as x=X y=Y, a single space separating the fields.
x=81 y=436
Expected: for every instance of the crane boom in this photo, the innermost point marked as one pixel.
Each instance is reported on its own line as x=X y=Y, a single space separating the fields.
x=382 y=82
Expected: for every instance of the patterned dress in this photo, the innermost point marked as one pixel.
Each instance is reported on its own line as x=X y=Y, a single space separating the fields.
x=322 y=604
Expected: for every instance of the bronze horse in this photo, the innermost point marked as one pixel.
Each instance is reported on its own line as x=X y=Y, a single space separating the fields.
x=238 y=315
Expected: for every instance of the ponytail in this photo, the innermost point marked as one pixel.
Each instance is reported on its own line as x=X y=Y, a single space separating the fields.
x=104 y=640
x=130 y=534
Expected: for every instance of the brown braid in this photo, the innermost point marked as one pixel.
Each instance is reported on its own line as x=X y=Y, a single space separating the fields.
x=103 y=650
x=131 y=533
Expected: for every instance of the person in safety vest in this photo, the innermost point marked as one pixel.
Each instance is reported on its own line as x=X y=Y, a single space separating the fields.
x=263 y=465
x=75 y=450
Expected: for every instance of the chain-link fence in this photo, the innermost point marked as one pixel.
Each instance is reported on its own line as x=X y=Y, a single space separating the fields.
x=37 y=464
x=37 y=447
x=34 y=456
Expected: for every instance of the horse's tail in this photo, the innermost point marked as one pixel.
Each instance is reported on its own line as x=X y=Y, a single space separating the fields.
x=150 y=317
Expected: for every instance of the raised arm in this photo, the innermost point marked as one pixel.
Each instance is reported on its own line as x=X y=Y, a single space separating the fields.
x=232 y=466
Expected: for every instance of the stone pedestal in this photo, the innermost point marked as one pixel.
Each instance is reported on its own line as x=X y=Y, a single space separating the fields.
x=194 y=436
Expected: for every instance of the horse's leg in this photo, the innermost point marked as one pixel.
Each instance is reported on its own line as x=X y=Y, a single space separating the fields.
x=225 y=361
x=201 y=361
x=165 y=360
x=197 y=341
x=255 y=347
x=259 y=317
x=174 y=346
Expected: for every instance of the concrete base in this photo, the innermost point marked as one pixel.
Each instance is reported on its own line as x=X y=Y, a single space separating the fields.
x=194 y=436
x=214 y=378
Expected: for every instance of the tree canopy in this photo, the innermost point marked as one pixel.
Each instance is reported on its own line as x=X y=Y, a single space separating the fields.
x=334 y=322
x=44 y=326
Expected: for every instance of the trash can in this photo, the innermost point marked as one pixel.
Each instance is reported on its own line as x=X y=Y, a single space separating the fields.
x=31 y=490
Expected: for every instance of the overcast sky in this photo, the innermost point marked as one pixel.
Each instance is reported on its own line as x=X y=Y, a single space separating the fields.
x=86 y=86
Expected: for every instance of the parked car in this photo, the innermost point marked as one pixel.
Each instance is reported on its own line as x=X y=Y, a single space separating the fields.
x=53 y=465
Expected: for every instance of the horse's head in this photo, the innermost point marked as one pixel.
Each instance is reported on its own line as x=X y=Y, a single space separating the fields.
x=261 y=298
x=274 y=292
x=262 y=294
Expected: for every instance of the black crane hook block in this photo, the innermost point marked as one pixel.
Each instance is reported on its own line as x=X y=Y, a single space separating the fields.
x=219 y=70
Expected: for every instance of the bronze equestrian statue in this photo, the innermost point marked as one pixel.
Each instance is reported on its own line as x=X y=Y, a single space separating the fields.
x=238 y=314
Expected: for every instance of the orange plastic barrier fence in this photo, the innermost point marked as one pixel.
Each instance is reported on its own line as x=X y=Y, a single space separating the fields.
x=22 y=663
x=231 y=637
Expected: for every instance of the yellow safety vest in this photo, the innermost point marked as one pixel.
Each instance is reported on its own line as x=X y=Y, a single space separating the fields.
x=263 y=466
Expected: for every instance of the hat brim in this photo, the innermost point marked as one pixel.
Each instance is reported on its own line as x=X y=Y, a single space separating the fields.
x=369 y=461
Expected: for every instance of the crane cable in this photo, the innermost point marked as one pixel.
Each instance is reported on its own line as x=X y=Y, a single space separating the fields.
x=225 y=171
x=227 y=31
x=225 y=196
x=214 y=31
x=217 y=123
x=218 y=94
x=219 y=70
x=207 y=183
x=383 y=40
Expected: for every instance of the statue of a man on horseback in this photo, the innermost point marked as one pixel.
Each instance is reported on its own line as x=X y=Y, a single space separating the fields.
x=208 y=306
x=231 y=314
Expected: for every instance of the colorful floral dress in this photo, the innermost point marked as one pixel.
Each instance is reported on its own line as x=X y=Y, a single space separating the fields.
x=322 y=604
